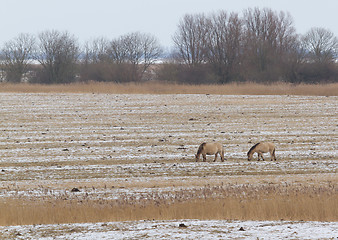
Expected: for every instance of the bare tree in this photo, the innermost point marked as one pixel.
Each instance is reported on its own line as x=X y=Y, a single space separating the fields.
x=117 y=52
x=126 y=58
x=190 y=39
x=95 y=51
x=152 y=51
x=224 y=44
x=95 y=62
x=268 y=37
x=58 y=54
x=321 y=45
x=17 y=57
x=133 y=54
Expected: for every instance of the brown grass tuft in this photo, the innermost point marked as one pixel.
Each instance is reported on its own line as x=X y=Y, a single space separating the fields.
x=172 y=88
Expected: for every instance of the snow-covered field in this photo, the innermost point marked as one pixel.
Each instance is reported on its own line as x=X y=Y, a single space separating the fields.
x=184 y=229
x=110 y=146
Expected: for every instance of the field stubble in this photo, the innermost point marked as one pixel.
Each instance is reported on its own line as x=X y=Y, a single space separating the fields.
x=131 y=156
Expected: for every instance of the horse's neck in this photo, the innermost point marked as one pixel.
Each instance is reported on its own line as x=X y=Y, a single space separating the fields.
x=200 y=150
x=252 y=151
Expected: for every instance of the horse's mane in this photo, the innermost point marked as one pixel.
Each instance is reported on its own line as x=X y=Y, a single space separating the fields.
x=253 y=147
x=201 y=148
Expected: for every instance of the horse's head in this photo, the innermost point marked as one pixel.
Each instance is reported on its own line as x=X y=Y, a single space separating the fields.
x=249 y=155
x=252 y=151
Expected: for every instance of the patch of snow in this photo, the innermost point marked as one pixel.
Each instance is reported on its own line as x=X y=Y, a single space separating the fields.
x=191 y=229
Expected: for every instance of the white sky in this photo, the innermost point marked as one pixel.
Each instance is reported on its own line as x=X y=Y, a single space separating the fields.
x=103 y=18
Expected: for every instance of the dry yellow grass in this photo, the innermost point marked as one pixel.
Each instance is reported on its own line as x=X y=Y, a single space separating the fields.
x=171 y=88
x=298 y=204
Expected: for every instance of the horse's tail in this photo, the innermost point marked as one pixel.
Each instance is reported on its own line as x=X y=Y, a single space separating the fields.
x=252 y=148
x=200 y=149
x=222 y=153
x=273 y=153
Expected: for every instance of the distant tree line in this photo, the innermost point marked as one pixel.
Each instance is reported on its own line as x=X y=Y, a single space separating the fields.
x=260 y=45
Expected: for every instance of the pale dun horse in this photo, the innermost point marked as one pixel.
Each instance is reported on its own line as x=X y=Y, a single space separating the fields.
x=260 y=148
x=213 y=148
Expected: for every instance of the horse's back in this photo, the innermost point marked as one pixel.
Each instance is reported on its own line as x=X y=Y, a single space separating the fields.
x=269 y=146
x=213 y=147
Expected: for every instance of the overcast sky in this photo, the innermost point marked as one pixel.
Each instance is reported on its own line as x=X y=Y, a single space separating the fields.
x=112 y=18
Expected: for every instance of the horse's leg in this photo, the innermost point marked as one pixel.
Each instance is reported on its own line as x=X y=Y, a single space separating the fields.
x=262 y=157
x=222 y=156
x=204 y=157
x=215 y=157
x=274 y=154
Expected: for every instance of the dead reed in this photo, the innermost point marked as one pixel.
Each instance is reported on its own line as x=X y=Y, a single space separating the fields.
x=243 y=202
x=280 y=88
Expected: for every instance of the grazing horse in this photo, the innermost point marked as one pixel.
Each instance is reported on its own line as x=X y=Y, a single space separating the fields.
x=210 y=149
x=260 y=148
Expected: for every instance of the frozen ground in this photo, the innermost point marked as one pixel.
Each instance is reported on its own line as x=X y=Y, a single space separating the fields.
x=60 y=141
x=184 y=229
x=111 y=146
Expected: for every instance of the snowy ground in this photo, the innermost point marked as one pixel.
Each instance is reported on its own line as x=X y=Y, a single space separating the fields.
x=61 y=141
x=110 y=146
x=184 y=229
